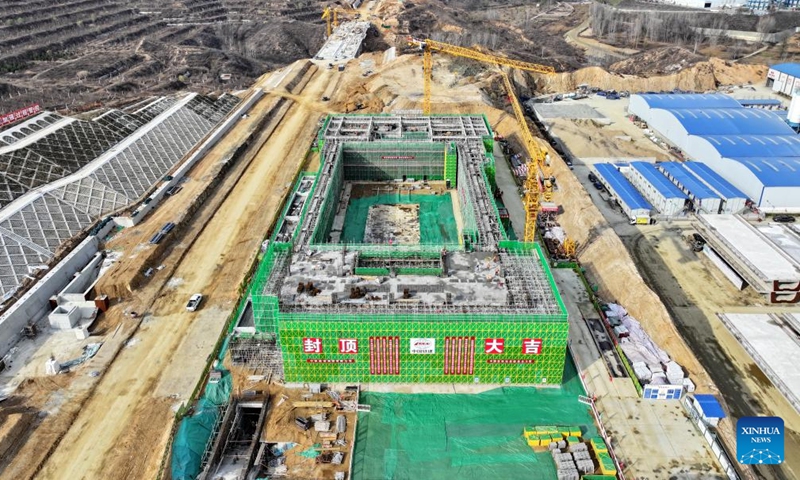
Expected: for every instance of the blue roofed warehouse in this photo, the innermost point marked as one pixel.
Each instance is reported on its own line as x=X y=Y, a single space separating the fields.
x=704 y=199
x=659 y=190
x=754 y=150
x=631 y=201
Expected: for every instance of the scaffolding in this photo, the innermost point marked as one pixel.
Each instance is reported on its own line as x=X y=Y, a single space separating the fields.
x=390 y=161
x=307 y=288
x=259 y=353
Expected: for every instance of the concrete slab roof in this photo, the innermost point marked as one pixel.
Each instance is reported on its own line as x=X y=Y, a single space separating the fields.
x=750 y=245
x=770 y=343
x=345 y=42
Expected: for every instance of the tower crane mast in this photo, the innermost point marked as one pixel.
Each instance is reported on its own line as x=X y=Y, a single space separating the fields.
x=536 y=190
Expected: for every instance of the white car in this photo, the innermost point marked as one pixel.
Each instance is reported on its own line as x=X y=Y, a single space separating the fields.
x=194 y=302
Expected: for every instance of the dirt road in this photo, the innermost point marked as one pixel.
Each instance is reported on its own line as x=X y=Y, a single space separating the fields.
x=593 y=47
x=121 y=431
x=694 y=293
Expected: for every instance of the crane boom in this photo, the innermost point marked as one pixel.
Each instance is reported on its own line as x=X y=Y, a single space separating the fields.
x=535 y=152
x=427 y=73
x=486 y=57
x=537 y=156
x=326 y=15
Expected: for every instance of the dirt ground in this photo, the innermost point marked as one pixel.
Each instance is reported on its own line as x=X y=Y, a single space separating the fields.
x=586 y=138
x=174 y=344
x=701 y=77
x=280 y=427
x=159 y=365
x=694 y=292
x=654 y=439
x=691 y=289
x=116 y=425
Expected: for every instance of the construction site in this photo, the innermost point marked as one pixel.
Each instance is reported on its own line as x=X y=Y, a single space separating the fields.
x=410 y=248
x=370 y=289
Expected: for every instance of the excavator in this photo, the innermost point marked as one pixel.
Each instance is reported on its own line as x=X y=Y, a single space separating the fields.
x=537 y=189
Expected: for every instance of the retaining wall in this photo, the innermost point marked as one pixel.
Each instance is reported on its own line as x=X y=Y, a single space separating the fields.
x=194 y=157
x=35 y=304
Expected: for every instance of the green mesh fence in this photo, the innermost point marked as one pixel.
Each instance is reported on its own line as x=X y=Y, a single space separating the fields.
x=391 y=160
x=463 y=436
x=194 y=431
x=418 y=271
x=450 y=162
x=436 y=221
x=371 y=272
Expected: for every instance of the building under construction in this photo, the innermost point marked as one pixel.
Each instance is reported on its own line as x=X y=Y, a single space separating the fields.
x=390 y=264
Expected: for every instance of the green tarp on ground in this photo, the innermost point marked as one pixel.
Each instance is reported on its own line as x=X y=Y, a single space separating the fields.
x=463 y=436
x=194 y=431
x=437 y=223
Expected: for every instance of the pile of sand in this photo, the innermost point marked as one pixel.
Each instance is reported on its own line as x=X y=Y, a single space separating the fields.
x=701 y=77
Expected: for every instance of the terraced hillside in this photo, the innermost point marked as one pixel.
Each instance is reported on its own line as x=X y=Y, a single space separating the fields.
x=67 y=53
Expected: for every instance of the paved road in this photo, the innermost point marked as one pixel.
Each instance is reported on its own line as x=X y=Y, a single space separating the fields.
x=650 y=437
x=511 y=198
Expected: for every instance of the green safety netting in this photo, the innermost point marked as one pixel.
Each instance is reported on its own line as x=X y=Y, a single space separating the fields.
x=312 y=452
x=464 y=436
x=194 y=431
x=437 y=223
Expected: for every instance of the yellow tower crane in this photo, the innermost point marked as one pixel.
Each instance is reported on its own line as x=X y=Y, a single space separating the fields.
x=328 y=15
x=537 y=155
x=331 y=17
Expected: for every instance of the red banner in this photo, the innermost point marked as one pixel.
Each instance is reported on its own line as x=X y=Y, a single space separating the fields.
x=384 y=355
x=459 y=355
x=19 y=114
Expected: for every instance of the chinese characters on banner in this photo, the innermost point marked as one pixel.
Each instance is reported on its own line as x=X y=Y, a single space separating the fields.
x=348 y=345
x=19 y=114
x=491 y=346
x=312 y=345
x=531 y=346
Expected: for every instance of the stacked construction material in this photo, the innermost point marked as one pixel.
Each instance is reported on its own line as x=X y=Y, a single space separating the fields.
x=650 y=364
x=565 y=466
x=570 y=465
x=543 y=436
x=598 y=444
x=518 y=166
x=674 y=373
x=582 y=458
x=607 y=466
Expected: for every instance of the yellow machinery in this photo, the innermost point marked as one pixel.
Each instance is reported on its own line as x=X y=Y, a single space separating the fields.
x=331 y=17
x=537 y=155
x=328 y=15
x=537 y=158
x=570 y=248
